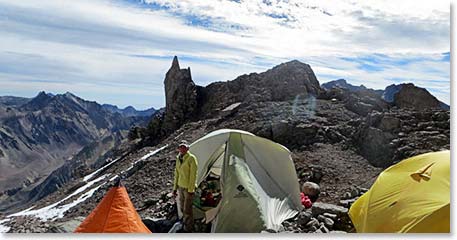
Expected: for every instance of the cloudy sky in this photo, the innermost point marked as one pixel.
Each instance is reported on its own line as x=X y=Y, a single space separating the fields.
x=118 y=51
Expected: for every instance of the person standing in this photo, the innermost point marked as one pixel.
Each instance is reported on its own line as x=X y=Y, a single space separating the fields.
x=185 y=182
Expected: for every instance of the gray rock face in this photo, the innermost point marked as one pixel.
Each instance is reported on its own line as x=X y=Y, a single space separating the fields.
x=390 y=92
x=390 y=136
x=304 y=133
x=389 y=123
x=411 y=96
x=286 y=81
x=362 y=101
x=180 y=95
x=187 y=102
x=375 y=146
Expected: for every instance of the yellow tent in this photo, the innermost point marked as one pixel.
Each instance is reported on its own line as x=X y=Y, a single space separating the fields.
x=412 y=196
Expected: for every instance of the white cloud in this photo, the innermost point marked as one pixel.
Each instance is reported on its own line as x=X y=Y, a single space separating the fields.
x=90 y=46
x=317 y=27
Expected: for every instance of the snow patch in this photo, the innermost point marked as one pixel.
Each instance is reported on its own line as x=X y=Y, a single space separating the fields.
x=114 y=177
x=90 y=176
x=54 y=211
x=59 y=211
x=151 y=153
x=231 y=107
x=179 y=135
x=3 y=228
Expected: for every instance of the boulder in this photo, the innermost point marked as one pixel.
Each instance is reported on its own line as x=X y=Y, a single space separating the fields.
x=323 y=229
x=313 y=228
x=304 y=133
x=374 y=145
x=328 y=222
x=354 y=191
x=333 y=134
x=346 y=195
x=319 y=208
x=359 y=107
x=312 y=190
x=303 y=218
x=389 y=123
x=330 y=215
x=312 y=222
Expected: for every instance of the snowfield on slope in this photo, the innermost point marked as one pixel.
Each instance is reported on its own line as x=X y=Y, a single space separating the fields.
x=54 y=211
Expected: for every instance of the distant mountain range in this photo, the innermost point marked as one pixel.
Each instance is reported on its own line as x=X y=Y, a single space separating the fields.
x=13 y=101
x=129 y=111
x=38 y=135
x=342 y=83
x=388 y=94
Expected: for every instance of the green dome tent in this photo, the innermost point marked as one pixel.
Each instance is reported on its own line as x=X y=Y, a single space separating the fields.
x=258 y=180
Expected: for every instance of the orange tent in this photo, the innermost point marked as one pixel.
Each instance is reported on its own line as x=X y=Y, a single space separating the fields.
x=114 y=214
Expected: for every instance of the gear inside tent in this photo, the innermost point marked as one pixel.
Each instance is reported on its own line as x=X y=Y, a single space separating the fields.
x=114 y=214
x=257 y=181
x=412 y=196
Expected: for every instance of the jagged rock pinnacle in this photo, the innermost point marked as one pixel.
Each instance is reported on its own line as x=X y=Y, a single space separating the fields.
x=180 y=96
x=175 y=63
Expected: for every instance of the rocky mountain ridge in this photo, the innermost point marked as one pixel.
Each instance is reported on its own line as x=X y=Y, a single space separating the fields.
x=406 y=90
x=42 y=134
x=190 y=102
x=129 y=111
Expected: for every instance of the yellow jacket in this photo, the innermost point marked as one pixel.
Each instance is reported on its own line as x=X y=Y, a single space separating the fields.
x=186 y=172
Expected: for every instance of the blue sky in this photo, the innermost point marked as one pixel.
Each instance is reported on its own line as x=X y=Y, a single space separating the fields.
x=119 y=51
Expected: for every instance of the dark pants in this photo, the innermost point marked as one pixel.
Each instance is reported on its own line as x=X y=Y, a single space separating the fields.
x=185 y=200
